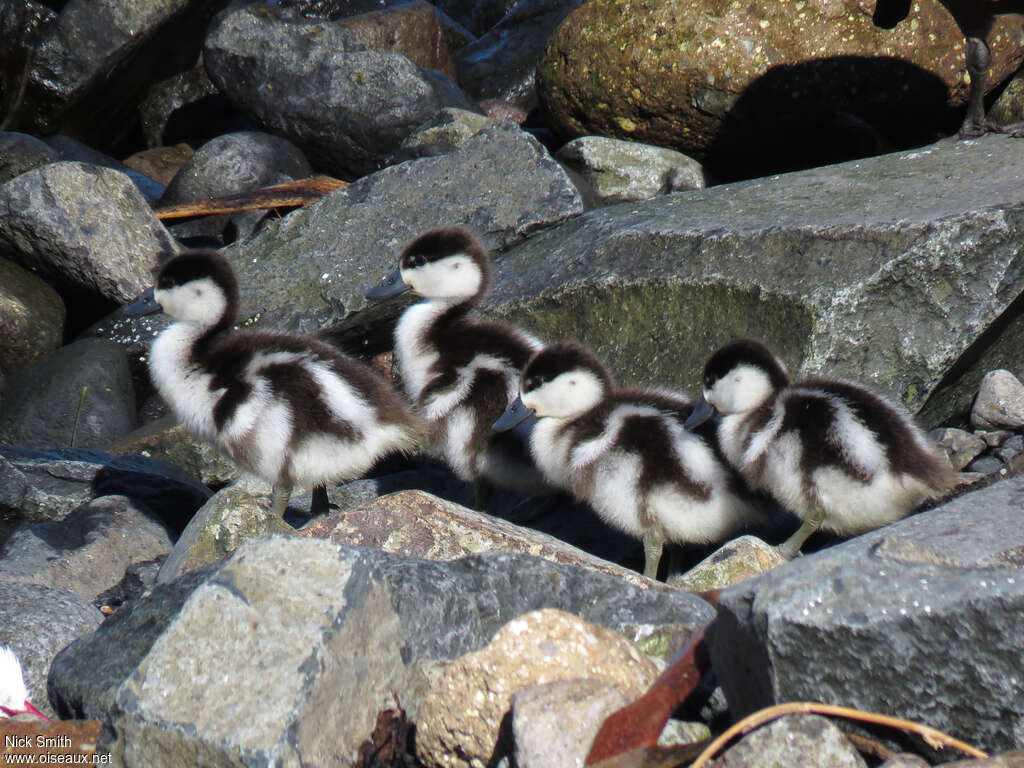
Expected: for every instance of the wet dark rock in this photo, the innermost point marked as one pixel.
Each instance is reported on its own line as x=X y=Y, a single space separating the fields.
x=20 y=152
x=337 y=9
x=94 y=62
x=80 y=395
x=318 y=85
x=89 y=551
x=502 y=63
x=918 y=619
x=363 y=626
x=477 y=17
x=41 y=486
x=37 y=622
x=137 y=580
x=31 y=317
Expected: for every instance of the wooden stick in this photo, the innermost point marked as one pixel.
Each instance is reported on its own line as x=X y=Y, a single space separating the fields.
x=301 y=192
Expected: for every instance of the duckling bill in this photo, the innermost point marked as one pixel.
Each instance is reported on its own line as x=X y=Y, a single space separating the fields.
x=289 y=408
x=832 y=452
x=625 y=452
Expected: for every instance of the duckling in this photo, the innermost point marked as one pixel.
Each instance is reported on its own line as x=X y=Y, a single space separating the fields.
x=833 y=453
x=625 y=452
x=291 y=409
x=460 y=371
x=975 y=19
x=13 y=692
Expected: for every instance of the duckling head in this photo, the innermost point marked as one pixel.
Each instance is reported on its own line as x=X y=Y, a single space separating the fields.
x=13 y=693
x=738 y=378
x=447 y=263
x=195 y=287
x=561 y=381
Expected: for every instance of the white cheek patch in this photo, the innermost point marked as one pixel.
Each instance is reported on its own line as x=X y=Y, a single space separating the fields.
x=743 y=389
x=567 y=395
x=452 y=277
x=198 y=302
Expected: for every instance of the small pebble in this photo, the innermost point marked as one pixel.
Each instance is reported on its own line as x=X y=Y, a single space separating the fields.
x=1000 y=402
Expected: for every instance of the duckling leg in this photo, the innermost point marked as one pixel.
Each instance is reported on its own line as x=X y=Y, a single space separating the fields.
x=320 y=503
x=281 y=495
x=654 y=542
x=791 y=546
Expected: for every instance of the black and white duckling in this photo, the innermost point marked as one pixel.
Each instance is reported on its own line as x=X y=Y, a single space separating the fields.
x=626 y=453
x=292 y=409
x=13 y=691
x=461 y=371
x=833 y=453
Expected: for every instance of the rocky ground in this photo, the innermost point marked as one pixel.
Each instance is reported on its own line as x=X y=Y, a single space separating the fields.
x=145 y=587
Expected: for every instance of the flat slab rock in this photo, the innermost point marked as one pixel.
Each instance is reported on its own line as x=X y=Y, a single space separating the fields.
x=920 y=620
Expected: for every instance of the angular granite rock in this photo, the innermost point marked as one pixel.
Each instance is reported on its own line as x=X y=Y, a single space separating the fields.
x=322 y=637
x=920 y=619
x=884 y=270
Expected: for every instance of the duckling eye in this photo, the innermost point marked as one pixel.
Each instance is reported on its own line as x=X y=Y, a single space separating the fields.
x=419 y=260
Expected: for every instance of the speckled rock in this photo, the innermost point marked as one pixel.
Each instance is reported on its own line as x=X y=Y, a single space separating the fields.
x=738 y=559
x=714 y=79
x=449 y=128
x=961 y=446
x=31 y=317
x=1000 y=402
x=20 y=152
x=460 y=718
x=868 y=270
x=615 y=171
x=793 y=740
x=74 y=151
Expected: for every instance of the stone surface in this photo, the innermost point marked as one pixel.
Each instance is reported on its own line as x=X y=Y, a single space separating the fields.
x=73 y=151
x=227 y=520
x=361 y=626
x=80 y=396
x=188 y=108
x=554 y=724
x=160 y=163
x=742 y=86
x=738 y=559
x=462 y=714
x=918 y=619
x=85 y=229
x=868 y=270
x=1000 y=402
x=319 y=86
x=448 y=128
x=20 y=152
x=615 y=171
x=417 y=524
x=31 y=317
x=961 y=446
x=87 y=552
x=37 y=622
x=795 y=740
x=42 y=486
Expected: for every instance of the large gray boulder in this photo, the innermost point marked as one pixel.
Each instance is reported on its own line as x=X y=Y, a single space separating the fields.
x=884 y=270
x=20 y=152
x=31 y=317
x=920 y=620
x=316 y=84
x=290 y=665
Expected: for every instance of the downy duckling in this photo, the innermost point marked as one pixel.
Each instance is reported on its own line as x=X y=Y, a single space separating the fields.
x=832 y=452
x=13 y=692
x=626 y=453
x=292 y=409
x=460 y=371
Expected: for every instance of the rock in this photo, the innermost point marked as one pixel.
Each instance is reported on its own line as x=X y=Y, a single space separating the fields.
x=160 y=163
x=942 y=590
x=1012 y=759
x=678 y=276
x=231 y=517
x=317 y=85
x=905 y=760
x=1008 y=109
x=79 y=396
x=188 y=108
x=738 y=559
x=502 y=63
x=138 y=579
x=986 y=465
x=614 y=171
x=42 y=486
x=1000 y=402
x=961 y=446
x=73 y=151
x=554 y=724
x=758 y=88
x=417 y=524
x=37 y=622
x=311 y=269
x=20 y=152
x=67 y=742
x=793 y=740
x=93 y=62
x=461 y=716
x=87 y=552
x=337 y=9
x=1010 y=449
x=448 y=128
x=31 y=317
x=227 y=165
x=476 y=16
x=84 y=229
x=178 y=667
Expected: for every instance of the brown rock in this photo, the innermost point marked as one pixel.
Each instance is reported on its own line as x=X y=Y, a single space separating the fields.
x=160 y=163
x=460 y=718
